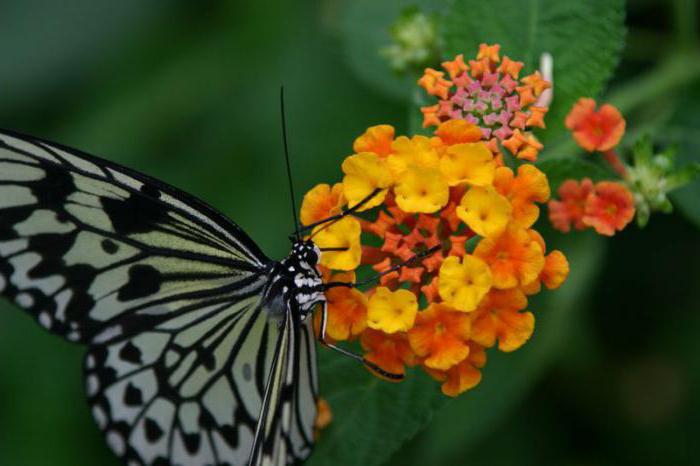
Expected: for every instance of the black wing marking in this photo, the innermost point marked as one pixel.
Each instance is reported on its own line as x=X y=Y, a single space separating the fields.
x=86 y=244
x=187 y=392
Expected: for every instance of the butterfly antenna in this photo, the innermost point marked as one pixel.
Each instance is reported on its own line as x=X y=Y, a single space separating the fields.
x=289 y=167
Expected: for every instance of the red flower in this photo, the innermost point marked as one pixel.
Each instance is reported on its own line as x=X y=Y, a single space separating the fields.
x=609 y=207
x=569 y=210
x=595 y=131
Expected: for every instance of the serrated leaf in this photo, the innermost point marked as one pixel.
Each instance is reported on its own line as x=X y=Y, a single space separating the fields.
x=585 y=39
x=559 y=169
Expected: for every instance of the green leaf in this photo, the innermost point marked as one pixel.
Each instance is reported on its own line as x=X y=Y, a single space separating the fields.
x=559 y=169
x=684 y=131
x=371 y=418
x=585 y=39
x=465 y=420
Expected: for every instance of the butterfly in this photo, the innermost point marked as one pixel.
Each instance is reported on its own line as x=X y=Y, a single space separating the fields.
x=200 y=349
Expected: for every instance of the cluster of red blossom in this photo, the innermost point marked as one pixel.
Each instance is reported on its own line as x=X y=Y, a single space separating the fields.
x=606 y=206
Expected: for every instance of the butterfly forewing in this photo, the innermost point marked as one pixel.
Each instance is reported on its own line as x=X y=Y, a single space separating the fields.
x=168 y=294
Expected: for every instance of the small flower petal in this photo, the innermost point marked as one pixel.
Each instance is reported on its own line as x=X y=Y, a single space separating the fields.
x=392 y=311
x=463 y=284
x=440 y=335
x=468 y=162
x=344 y=233
x=421 y=190
x=376 y=139
x=321 y=202
x=365 y=172
x=485 y=211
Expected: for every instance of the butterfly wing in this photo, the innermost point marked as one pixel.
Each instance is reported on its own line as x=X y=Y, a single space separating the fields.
x=168 y=294
x=285 y=433
x=188 y=392
x=85 y=244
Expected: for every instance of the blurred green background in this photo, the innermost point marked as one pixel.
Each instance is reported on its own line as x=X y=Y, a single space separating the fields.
x=188 y=92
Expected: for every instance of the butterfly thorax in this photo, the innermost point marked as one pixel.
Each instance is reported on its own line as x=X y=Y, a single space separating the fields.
x=295 y=282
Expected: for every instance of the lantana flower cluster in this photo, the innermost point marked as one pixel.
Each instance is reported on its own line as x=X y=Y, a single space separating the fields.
x=460 y=223
x=640 y=188
x=489 y=93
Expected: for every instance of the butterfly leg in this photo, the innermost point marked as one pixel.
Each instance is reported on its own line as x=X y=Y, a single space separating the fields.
x=370 y=365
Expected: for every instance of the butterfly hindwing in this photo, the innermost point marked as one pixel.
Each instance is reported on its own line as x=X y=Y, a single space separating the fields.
x=189 y=391
x=287 y=430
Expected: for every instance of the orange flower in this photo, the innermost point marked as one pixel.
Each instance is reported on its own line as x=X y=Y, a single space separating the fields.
x=529 y=187
x=434 y=83
x=601 y=130
x=392 y=352
x=324 y=417
x=457 y=132
x=465 y=375
x=347 y=309
x=455 y=67
x=608 y=208
x=569 y=210
x=555 y=271
x=376 y=139
x=510 y=67
x=489 y=52
x=440 y=336
x=537 y=83
x=321 y=202
x=499 y=317
x=514 y=257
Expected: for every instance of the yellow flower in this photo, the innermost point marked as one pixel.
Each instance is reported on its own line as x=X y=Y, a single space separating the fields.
x=344 y=233
x=365 y=172
x=421 y=190
x=416 y=151
x=485 y=211
x=321 y=202
x=392 y=311
x=464 y=284
x=470 y=162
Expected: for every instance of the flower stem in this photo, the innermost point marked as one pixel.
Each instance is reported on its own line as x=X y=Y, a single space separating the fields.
x=614 y=160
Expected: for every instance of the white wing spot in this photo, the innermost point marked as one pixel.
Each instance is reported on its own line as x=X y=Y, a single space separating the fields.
x=100 y=416
x=92 y=385
x=90 y=362
x=24 y=300
x=45 y=320
x=116 y=442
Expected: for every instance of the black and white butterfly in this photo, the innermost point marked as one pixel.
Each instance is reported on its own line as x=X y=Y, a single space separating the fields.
x=201 y=350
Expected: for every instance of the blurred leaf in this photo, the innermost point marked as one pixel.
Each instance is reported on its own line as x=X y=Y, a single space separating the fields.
x=559 y=169
x=465 y=420
x=48 y=46
x=585 y=39
x=366 y=30
x=684 y=131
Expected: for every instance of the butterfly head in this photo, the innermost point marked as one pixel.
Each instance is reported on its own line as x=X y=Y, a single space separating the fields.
x=299 y=278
